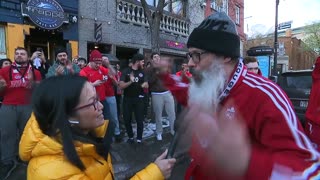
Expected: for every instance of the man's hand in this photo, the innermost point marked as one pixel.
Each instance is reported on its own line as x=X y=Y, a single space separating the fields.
x=131 y=77
x=69 y=66
x=60 y=70
x=145 y=85
x=3 y=84
x=163 y=66
x=98 y=82
x=225 y=141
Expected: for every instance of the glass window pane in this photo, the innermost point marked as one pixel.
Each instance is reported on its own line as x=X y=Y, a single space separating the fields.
x=2 y=41
x=167 y=7
x=150 y=2
x=237 y=15
x=177 y=8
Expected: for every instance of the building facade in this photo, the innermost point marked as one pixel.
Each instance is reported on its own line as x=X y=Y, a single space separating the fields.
x=292 y=54
x=119 y=28
x=38 y=24
x=234 y=9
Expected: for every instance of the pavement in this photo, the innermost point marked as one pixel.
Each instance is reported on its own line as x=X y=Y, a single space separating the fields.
x=127 y=159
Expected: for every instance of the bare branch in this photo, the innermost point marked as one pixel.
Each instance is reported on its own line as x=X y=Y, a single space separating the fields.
x=160 y=6
x=147 y=11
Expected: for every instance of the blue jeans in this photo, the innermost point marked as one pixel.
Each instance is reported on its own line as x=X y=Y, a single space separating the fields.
x=111 y=113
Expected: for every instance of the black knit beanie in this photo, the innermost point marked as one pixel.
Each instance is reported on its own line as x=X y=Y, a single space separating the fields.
x=217 y=34
x=60 y=50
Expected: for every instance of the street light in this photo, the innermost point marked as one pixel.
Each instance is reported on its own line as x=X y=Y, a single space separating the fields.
x=275 y=73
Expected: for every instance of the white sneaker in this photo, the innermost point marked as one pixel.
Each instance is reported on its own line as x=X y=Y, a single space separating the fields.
x=159 y=137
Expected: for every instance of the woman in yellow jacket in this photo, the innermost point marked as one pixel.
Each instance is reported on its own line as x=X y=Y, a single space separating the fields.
x=67 y=137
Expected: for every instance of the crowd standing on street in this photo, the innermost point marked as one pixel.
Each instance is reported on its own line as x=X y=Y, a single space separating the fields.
x=61 y=119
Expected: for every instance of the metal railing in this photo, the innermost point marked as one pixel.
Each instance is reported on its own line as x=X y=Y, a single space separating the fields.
x=133 y=13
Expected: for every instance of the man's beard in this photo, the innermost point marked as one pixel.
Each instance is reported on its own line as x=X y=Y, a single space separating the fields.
x=20 y=61
x=206 y=87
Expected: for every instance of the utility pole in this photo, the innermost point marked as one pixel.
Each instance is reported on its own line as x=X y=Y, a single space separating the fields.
x=275 y=73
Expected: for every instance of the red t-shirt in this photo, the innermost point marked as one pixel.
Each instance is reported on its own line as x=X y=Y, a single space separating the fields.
x=92 y=75
x=184 y=78
x=19 y=87
x=109 y=87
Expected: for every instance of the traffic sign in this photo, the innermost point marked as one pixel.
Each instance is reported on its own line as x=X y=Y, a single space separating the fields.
x=284 y=25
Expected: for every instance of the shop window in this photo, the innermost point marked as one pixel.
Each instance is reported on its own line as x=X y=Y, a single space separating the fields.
x=2 y=41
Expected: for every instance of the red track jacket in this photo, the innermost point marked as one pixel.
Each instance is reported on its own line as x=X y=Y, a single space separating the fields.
x=277 y=137
x=312 y=113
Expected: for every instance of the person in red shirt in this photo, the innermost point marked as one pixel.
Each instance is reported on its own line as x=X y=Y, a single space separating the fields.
x=111 y=105
x=229 y=139
x=185 y=76
x=98 y=76
x=16 y=82
x=184 y=73
x=312 y=114
x=252 y=64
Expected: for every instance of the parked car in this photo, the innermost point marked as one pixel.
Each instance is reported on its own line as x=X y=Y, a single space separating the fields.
x=297 y=85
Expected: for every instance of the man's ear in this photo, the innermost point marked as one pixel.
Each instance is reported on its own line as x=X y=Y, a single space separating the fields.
x=227 y=59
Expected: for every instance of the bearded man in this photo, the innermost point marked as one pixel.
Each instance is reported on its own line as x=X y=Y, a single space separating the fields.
x=16 y=82
x=243 y=126
x=133 y=81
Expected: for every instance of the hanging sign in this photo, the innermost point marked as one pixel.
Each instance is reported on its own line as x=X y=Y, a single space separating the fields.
x=47 y=14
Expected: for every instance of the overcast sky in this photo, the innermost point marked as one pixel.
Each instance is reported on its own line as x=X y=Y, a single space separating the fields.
x=260 y=14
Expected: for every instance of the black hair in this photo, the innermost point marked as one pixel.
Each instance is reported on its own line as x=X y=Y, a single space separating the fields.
x=137 y=57
x=154 y=53
x=60 y=50
x=82 y=59
x=52 y=107
x=4 y=60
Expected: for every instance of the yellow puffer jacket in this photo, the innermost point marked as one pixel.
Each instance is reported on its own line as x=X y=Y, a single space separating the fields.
x=47 y=160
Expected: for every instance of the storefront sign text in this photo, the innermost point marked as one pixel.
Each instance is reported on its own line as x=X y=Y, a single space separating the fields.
x=47 y=14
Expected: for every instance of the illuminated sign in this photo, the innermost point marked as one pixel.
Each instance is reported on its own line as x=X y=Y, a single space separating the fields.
x=47 y=14
x=176 y=45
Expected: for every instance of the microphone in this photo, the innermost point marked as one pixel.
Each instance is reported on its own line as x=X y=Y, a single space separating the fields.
x=176 y=136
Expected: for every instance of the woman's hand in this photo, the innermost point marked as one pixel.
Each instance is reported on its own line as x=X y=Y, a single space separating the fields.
x=165 y=165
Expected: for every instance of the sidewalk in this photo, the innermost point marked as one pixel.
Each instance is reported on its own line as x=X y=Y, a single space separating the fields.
x=127 y=159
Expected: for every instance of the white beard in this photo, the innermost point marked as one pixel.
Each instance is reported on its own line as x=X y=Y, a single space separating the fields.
x=206 y=91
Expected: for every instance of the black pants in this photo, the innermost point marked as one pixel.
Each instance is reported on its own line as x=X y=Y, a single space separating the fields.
x=135 y=105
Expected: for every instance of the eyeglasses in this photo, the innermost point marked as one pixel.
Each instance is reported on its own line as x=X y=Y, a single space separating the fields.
x=196 y=56
x=94 y=104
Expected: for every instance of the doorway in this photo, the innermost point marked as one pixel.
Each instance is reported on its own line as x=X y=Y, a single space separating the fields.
x=47 y=40
x=124 y=54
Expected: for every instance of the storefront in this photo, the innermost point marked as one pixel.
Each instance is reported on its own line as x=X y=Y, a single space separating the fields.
x=173 y=51
x=33 y=24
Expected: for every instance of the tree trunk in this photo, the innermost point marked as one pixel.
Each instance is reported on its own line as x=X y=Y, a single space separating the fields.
x=155 y=33
x=154 y=23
